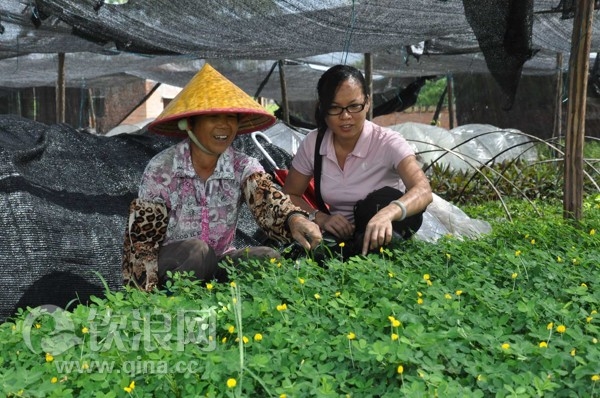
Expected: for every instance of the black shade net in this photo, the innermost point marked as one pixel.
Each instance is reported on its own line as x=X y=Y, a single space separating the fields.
x=65 y=195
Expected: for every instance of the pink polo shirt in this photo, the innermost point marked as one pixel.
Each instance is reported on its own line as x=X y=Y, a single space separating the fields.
x=370 y=166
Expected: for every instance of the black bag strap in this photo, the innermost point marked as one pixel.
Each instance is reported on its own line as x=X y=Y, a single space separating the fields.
x=317 y=173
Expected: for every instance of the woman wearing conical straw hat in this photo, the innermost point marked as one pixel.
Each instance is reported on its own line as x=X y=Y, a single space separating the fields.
x=186 y=213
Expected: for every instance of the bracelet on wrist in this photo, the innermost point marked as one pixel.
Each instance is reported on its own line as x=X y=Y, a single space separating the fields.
x=402 y=207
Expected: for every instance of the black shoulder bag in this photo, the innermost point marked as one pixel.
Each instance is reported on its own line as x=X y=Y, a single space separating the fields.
x=317 y=173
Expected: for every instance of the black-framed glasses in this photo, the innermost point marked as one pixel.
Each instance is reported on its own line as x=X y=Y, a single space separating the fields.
x=338 y=110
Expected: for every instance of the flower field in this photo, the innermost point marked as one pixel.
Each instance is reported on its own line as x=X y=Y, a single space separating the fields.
x=511 y=314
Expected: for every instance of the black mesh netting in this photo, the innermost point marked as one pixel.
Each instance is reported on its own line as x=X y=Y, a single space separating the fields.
x=163 y=40
x=65 y=197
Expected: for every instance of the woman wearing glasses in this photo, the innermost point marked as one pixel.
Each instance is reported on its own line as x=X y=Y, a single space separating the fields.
x=357 y=158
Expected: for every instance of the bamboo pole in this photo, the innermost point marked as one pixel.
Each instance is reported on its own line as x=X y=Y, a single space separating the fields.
x=450 y=85
x=284 y=99
x=578 y=74
x=60 y=90
x=369 y=81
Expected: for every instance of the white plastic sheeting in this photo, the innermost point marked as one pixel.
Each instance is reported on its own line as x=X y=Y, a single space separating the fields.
x=467 y=146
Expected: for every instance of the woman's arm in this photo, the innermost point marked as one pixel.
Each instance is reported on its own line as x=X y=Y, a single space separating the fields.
x=336 y=224
x=418 y=191
x=276 y=214
x=295 y=186
x=417 y=197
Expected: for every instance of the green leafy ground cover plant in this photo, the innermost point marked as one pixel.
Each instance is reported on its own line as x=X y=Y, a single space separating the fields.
x=512 y=314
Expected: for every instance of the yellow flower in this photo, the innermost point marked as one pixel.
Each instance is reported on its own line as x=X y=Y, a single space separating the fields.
x=419 y=294
x=279 y=265
x=351 y=336
x=257 y=337
x=301 y=280
x=561 y=328
x=231 y=383
x=593 y=312
x=85 y=330
x=54 y=380
x=400 y=369
x=338 y=294
x=550 y=326
x=224 y=340
x=429 y=283
x=505 y=346
x=426 y=277
x=518 y=253
x=573 y=352
x=559 y=259
x=459 y=292
x=342 y=244
x=394 y=337
x=448 y=296
x=232 y=284
x=514 y=275
x=543 y=344
x=479 y=377
x=419 y=301
x=49 y=357
x=209 y=286
x=575 y=261
x=231 y=329
x=272 y=260
x=381 y=249
x=37 y=326
x=533 y=241
x=595 y=377
x=588 y=319
x=595 y=340
x=130 y=387
x=391 y=274
x=282 y=396
x=448 y=256
x=85 y=366
x=317 y=296
x=592 y=232
x=583 y=285
x=282 y=307
x=234 y=300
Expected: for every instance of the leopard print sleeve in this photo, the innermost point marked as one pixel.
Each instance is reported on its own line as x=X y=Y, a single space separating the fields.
x=270 y=207
x=146 y=229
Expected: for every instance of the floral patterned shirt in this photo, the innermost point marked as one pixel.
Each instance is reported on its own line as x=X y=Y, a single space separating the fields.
x=206 y=210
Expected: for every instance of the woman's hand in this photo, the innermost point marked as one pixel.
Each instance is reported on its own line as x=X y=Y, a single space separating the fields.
x=335 y=224
x=306 y=233
x=379 y=229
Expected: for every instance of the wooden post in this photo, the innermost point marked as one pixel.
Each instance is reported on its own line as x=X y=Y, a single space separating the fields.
x=579 y=62
x=284 y=99
x=557 y=131
x=92 y=110
x=60 y=90
x=369 y=81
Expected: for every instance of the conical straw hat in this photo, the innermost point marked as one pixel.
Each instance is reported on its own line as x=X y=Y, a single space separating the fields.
x=210 y=92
